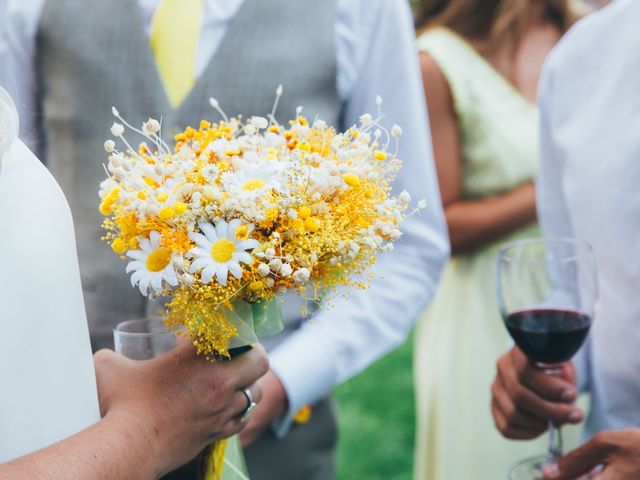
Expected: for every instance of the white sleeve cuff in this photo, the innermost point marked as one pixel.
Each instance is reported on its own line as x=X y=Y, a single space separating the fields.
x=303 y=366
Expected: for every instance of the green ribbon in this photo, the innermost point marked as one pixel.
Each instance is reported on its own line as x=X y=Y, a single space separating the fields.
x=254 y=321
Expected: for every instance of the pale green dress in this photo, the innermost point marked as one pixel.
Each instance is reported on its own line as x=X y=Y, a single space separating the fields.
x=460 y=337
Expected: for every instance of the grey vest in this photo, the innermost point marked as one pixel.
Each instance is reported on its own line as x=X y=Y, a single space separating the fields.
x=93 y=54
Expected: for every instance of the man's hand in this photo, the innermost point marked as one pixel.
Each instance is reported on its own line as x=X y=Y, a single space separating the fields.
x=525 y=398
x=179 y=402
x=274 y=404
x=617 y=451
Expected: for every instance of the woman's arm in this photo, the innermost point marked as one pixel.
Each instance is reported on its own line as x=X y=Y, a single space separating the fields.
x=115 y=447
x=471 y=223
x=158 y=414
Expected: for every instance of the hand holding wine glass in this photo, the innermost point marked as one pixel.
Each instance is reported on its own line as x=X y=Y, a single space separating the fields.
x=546 y=290
x=525 y=398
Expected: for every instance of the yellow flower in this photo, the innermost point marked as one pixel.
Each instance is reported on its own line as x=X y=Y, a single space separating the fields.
x=352 y=180
x=271 y=214
x=180 y=208
x=380 y=155
x=304 y=212
x=312 y=224
x=118 y=246
x=106 y=208
x=253 y=184
x=304 y=415
x=242 y=232
x=151 y=182
x=167 y=213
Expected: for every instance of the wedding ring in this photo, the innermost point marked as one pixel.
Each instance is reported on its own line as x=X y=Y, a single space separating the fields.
x=251 y=404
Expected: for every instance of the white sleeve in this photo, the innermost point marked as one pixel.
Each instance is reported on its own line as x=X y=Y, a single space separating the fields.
x=553 y=211
x=356 y=331
x=18 y=32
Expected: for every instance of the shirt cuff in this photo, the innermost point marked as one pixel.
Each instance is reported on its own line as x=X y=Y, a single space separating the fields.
x=307 y=379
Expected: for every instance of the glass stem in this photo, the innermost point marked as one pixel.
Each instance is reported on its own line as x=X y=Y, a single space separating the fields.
x=555 y=442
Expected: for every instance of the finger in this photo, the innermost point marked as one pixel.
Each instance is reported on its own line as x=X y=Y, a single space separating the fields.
x=516 y=417
x=582 y=460
x=603 y=473
x=526 y=399
x=231 y=428
x=241 y=401
x=184 y=348
x=247 y=368
x=556 y=387
x=508 y=429
x=561 y=387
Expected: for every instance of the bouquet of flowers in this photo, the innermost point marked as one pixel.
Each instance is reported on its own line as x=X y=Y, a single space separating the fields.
x=241 y=211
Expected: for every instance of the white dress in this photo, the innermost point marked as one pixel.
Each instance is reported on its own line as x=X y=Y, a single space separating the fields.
x=47 y=380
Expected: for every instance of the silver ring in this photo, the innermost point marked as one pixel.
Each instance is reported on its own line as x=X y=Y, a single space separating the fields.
x=251 y=405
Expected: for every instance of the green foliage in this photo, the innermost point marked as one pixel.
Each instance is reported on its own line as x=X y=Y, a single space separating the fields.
x=376 y=412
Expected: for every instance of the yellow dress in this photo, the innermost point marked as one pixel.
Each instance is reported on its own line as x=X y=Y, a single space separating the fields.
x=461 y=335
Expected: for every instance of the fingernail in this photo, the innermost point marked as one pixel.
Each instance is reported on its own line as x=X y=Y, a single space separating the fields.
x=551 y=470
x=575 y=416
x=569 y=395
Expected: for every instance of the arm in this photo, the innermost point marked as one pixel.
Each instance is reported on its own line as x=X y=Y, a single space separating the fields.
x=356 y=331
x=158 y=414
x=471 y=223
x=18 y=29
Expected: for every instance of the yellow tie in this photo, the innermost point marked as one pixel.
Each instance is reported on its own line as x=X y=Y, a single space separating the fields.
x=175 y=31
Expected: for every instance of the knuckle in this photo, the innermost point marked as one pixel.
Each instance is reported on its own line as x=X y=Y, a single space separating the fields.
x=601 y=439
x=510 y=412
x=221 y=384
x=263 y=362
x=519 y=395
x=103 y=355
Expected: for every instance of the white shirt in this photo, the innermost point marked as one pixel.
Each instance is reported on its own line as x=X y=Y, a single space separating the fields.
x=375 y=56
x=589 y=188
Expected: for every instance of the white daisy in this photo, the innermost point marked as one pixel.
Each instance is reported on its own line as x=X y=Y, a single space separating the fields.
x=220 y=251
x=254 y=178
x=152 y=265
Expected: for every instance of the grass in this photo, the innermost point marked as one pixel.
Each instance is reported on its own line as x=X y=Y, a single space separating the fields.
x=376 y=412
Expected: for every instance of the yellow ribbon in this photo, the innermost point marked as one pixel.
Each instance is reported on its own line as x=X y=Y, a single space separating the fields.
x=215 y=464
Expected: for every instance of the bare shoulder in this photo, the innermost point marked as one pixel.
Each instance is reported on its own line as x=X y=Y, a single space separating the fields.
x=436 y=85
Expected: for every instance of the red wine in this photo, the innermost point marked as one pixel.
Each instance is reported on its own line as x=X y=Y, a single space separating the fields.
x=548 y=335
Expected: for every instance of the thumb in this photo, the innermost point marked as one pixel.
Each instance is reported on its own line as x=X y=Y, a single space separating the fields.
x=577 y=463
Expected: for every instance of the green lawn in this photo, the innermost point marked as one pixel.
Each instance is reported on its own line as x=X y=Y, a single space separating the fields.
x=377 y=420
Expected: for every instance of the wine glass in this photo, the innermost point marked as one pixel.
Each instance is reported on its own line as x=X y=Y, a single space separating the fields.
x=143 y=339
x=547 y=289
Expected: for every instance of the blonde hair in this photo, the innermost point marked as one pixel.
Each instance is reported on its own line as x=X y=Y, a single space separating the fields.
x=494 y=21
